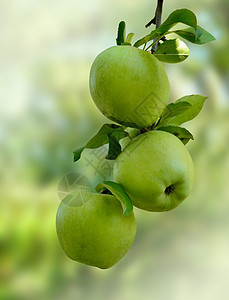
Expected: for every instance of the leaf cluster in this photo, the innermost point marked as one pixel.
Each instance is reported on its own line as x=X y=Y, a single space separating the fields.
x=192 y=33
x=174 y=115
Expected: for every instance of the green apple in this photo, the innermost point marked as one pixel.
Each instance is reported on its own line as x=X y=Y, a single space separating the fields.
x=156 y=171
x=92 y=229
x=129 y=86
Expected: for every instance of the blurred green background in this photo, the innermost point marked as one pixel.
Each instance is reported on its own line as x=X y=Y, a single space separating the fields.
x=47 y=48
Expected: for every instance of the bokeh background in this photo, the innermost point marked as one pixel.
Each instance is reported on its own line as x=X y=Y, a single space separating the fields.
x=47 y=48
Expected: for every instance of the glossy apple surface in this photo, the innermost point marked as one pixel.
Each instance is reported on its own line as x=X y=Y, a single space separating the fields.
x=129 y=86
x=92 y=229
x=156 y=171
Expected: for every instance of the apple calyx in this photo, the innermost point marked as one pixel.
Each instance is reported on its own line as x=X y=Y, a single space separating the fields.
x=115 y=189
x=169 y=189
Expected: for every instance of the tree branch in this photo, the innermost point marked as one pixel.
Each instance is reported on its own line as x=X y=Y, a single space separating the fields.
x=157 y=21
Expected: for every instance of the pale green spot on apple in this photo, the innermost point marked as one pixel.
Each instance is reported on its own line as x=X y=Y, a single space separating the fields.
x=92 y=229
x=156 y=171
x=129 y=86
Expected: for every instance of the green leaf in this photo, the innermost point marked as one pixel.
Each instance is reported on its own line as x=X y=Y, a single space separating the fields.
x=128 y=40
x=118 y=191
x=114 y=147
x=77 y=153
x=109 y=133
x=183 y=15
x=101 y=138
x=120 y=133
x=200 y=36
x=174 y=115
x=121 y=33
x=172 y=51
x=183 y=134
x=143 y=40
x=196 y=102
x=171 y=111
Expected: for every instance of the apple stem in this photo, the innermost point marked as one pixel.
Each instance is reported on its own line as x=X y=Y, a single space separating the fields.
x=157 y=21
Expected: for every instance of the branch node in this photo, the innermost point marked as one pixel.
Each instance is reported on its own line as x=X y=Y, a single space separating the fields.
x=153 y=21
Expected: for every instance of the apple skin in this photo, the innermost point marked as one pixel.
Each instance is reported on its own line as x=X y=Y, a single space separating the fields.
x=129 y=86
x=92 y=229
x=156 y=171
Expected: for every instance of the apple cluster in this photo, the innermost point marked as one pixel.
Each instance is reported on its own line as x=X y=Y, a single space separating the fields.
x=153 y=169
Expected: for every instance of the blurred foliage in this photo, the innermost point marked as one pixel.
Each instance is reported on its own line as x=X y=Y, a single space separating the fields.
x=46 y=113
